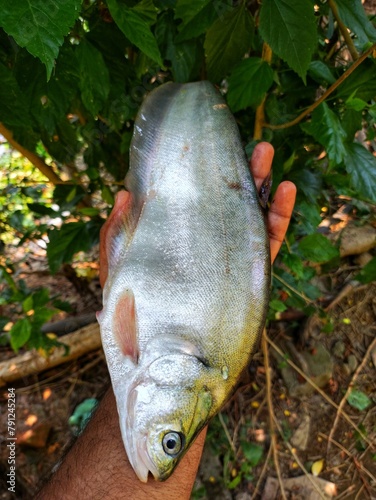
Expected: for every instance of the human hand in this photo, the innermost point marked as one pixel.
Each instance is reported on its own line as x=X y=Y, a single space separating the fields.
x=281 y=207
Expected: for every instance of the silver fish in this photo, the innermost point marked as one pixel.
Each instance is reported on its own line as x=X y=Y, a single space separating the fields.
x=188 y=275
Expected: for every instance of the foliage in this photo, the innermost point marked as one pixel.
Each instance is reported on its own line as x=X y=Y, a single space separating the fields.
x=74 y=73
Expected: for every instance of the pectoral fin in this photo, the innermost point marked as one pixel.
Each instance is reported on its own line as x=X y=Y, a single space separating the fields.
x=125 y=327
x=115 y=233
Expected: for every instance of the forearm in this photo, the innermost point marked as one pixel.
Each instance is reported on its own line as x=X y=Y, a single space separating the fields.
x=97 y=466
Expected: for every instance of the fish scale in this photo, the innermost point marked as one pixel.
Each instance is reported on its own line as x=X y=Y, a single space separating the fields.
x=188 y=275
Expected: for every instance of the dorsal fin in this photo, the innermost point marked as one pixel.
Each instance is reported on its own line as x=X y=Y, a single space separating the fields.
x=124 y=325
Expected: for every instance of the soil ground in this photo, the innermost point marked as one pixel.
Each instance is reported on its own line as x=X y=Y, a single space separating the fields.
x=229 y=470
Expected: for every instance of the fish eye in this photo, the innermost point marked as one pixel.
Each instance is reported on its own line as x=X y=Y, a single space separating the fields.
x=172 y=443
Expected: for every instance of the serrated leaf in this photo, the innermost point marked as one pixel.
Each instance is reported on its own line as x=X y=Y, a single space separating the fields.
x=353 y=15
x=184 y=56
x=359 y=400
x=14 y=108
x=361 y=83
x=196 y=17
x=289 y=27
x=320 y=72
x=248 y=83
x=227 y=40
x=20 y=333
x=361 y=166
x=351 y=122
x=39 y=26
x=368 y=273
x=135 y=28
x=326 y=128
x=356 y=104
x=94 y=80
x=317 y=248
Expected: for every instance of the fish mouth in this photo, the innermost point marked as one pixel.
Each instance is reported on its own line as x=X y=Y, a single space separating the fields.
x=141 y=461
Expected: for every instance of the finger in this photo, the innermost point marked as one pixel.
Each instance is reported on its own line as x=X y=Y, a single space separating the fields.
x=121 y=207
x=279 y=215
x=261 y=162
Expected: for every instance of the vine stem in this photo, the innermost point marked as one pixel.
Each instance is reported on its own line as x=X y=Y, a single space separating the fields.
x=325 y=95
x=32 y=157
x=343 y=29
x=260 y=110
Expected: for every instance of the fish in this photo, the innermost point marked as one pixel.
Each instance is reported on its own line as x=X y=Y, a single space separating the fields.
x=188 y=260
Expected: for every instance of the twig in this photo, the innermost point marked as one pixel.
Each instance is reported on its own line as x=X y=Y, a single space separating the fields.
x=321 y=392
x=226 y=432
x=356 y=462
x=271 y=412
x=344 y=31
x=299 y=462
x=349 y=388
x=263 y=472
x=325 y=95
x=32 y=157
x=79 y=342
x=260 y=110
x=287 y=285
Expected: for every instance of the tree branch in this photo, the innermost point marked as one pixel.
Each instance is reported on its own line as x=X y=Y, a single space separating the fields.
x=260 y=110
x=344 y=31
x=325 y=95
x=32 y=157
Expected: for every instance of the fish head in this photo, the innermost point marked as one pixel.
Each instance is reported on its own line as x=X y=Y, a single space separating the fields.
x=163 y=414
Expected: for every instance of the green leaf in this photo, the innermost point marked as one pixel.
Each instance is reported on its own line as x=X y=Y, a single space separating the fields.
x=320 y=72
x=359 y=400
x=64 y=243
x=135 y=28
x=289 y=27
x=248 y=83
x=41 y=297
x=20 y=333
x=354 y=17
x=197 y=16
x=41 y=316
x=351 y=122
x=368 y=273
x=94 y=80
x=317 y=248
x=361 y=83
x=227 y=40
x=147 y=11
x=355 y=103
x=185 y=57
x=252 y=452
x=40 y=27
x=326 y=128
x=40 y=209
x=14 y=107
x=277 y=305
x=27 y=304
x=361 y=165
